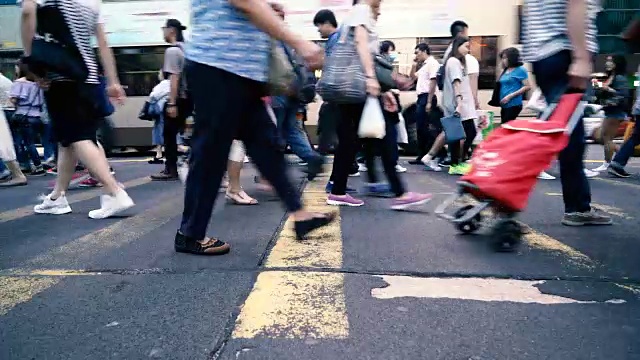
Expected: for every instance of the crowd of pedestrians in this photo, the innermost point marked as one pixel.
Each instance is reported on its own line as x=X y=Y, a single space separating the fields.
x=243 y=110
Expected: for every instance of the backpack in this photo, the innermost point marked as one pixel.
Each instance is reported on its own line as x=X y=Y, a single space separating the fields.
x=305 y=83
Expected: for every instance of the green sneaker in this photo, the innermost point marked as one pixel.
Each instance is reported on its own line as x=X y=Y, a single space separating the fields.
x=460 y=169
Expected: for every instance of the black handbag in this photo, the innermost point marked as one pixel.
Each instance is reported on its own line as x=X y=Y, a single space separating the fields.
x=53 y=48
x=495 y=97
x=384 y=73
x=145 y=114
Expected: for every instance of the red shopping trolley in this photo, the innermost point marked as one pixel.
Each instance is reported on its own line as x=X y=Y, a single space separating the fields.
x=505 y=167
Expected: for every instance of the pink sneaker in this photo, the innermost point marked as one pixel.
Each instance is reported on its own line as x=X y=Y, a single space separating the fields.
x=89 y=183
x=410 y=200
x=77 y=178
x=344 y=200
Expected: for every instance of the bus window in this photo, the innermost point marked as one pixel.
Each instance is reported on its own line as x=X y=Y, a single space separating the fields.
x=138 y=68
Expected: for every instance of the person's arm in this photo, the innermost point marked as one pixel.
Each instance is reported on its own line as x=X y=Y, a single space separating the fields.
x=28 y=24
x=577 y=28
x=173 y=64
x=106 y=57
x=362 y=46
x=521 y=75
x=473 y=68
x=261 y=14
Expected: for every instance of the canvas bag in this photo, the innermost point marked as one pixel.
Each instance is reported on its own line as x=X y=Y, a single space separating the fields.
x=343 y=79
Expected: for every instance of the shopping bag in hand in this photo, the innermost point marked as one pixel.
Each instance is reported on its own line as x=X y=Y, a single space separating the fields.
x=403 y=136
x=372 y=121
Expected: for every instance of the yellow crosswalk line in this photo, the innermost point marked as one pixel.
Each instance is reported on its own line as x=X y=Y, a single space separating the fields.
x=20 y=289
x=288 y=304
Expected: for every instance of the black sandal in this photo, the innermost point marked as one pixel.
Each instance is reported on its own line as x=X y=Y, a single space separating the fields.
x=212 y=246
x=304 y=227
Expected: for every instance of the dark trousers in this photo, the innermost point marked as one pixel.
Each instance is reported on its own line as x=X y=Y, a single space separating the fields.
x=228 y=106
x=470 y=132
x=388 y=149
x=551 y=76
x=172 y=127
x=25 y=132
x=327 y=122
x=510 y=113
x=425 y=136
x=627 y=149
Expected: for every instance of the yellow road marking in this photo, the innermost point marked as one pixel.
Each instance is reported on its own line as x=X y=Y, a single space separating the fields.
x=18 y=288
x=24 y=211
x=299 y=304
x=541 y=241
x=553 y=194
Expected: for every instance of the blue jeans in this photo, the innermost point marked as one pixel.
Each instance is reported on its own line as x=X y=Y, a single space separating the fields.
x=291 y=132
x=48 y=142
x=627 y=149
x=25 y=134
x=551 y=76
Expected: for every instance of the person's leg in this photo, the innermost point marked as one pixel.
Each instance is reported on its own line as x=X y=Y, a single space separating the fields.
x=170 y=131
x=388 y=146
x=422 y=127
x=9 y=156
x=30 y=134
x=626 y=151
x=552 y=78
x=470 y=131
x=299 y=143
x=348 y=141
x=218 y=96
x=258 y=133
x=66 y=167
x=327 y=122
x=369 y=151
x=235 y=194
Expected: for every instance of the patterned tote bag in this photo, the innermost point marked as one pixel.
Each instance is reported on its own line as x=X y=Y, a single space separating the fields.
x=343 y=79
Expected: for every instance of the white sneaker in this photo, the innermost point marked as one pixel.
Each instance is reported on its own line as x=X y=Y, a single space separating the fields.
x=546 y=176
x=602 y=167
x=590 y=173
x=427 y=159
x=362 y=167
x=111 y=205
x=400 y=169
x=433 y=166
x=58 y=206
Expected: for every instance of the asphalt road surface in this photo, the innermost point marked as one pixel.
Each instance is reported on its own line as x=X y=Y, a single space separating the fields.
x=376 y=285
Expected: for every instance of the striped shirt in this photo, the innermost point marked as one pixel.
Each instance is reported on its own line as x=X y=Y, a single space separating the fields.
x=545 y=31
x=81 y=19
x=224 y=38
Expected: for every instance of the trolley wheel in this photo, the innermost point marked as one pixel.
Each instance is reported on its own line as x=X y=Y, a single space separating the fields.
x=470 y=226
x=507 y=235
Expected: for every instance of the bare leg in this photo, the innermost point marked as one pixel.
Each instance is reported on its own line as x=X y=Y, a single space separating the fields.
x=66 y=168
x=94 y=159
x=234 y=169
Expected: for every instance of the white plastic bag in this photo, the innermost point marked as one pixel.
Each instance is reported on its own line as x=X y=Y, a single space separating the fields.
x=403 y=136
x=372 y=121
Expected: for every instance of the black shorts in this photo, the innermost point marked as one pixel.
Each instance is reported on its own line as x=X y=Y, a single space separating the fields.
x=72 y=115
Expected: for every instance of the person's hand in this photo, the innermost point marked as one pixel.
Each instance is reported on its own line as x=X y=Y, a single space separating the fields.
x=389 y=102
x=312 y=54
x=172 y=111
x=505 y=99
x=428 y=107
x=403 y=82
x=373 y=87
x=116 y=93
x=580 y=72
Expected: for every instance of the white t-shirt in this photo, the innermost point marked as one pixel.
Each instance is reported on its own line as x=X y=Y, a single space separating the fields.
x=428 y=71
x=473 y=66
x=361 y=14
x=456 y=71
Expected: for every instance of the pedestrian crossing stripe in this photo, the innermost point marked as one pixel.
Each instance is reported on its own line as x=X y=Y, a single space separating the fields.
x=295 y=304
